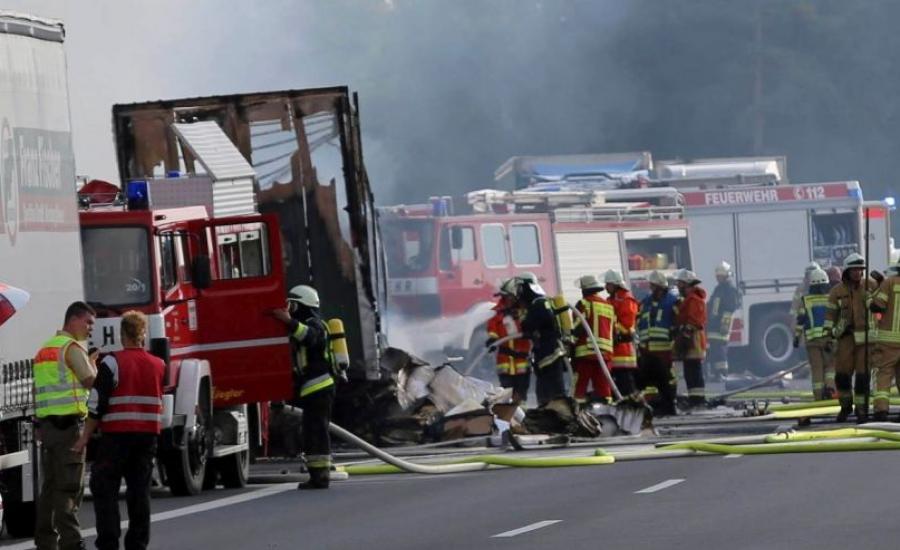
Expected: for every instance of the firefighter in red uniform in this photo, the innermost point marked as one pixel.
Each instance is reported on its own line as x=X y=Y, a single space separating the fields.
x=600 y=317
x=624 y=358
x=512 y=355
x=126 y=404
x=690 y=340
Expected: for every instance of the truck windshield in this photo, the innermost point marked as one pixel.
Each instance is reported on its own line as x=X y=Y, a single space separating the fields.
x=408 y=245
x=116 y=265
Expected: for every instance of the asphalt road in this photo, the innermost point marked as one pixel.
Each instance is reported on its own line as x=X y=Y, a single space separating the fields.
x=813 y=501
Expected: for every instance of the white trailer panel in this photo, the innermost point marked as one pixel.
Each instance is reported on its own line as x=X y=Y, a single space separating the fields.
x=585 y=253
x=772 y=245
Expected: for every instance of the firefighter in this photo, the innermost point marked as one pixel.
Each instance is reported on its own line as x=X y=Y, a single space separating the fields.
x=810 y=324
x=802 y=289
x=886 y=355
x=725 y=300
x=600 y=317
x=624 y=358
x=541 y=326
x=63 y=373
x=126 y=405
x=846 y=322
x=512 y=356
x=656 y=322
x=315 y=379
x=690 y=326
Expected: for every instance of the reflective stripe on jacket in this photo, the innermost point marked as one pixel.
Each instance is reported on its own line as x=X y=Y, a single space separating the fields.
x=512 y=356
x=656 y=321
x=135 y=403
x=811 y=316
x=624 y=356
x=57 y=392
x=600 y=316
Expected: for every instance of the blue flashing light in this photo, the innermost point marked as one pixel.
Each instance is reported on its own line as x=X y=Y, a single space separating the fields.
x=854 y=192
x=137 y=195
x=890 y=202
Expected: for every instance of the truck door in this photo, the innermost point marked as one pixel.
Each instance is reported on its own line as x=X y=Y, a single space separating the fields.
x=461 y=275
x=247 y=348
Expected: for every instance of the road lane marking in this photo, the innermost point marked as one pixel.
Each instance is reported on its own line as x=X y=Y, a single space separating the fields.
x=734 y=455
x=186 y=511
x=527 y=528
x=659 y=486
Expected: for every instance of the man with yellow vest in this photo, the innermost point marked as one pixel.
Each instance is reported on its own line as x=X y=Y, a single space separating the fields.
x=886 y=355
x=656 y=326
x=513 y=355
x=63 y=374
x=624 y=358
x=601 y=318
x=810 y=324
x=314 y=364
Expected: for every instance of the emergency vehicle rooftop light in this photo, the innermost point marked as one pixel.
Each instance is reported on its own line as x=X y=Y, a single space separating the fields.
x=890 y=202
x=137 y=195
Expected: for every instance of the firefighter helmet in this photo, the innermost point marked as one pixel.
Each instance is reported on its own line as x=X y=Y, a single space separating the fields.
x=687 y=276
x=528 y=277
x=818 y=277
x=614 y=277
x=508 y=287
x=658 y=278
x=853 y=261
x=723 y=269
x=304 y=294
x=586 y=282
x=811 y=266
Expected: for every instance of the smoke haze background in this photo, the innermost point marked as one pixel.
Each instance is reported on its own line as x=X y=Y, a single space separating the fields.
x=450 y=89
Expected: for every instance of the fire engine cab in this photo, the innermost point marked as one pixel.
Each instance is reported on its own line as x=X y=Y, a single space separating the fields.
x=206 y=269
x=446 y=261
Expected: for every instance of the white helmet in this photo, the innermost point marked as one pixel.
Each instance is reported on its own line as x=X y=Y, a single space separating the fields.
x=527 y=277
x=508 y=287
x=586 y=282
x=687 y=276
x=724 y=269
x=812 y=266
x=305 y=295
x=854 y=261
x=658 y=278
x=818 y=277
x=614 y=277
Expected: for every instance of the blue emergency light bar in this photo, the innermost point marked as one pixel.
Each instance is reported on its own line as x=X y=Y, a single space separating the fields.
x=137 y=195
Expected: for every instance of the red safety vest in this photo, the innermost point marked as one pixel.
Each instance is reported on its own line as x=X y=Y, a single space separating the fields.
x=135 y=405
x=500 y=326
x=601 y=317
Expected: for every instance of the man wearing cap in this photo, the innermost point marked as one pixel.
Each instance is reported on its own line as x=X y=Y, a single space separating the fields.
x=847 y=321
x=512 y=355
x=690 y=327
x=656 y=322
x=600 y=317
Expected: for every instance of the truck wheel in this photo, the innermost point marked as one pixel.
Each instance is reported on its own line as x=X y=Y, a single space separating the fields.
x=235 y=469
x=186 y=467
x=772 y=342
x=19 y=517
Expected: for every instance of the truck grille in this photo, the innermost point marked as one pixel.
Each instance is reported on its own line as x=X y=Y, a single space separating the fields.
x=16 y=388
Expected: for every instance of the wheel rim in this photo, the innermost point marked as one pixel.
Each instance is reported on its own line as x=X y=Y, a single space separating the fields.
x=777 y=342
x=197 y=450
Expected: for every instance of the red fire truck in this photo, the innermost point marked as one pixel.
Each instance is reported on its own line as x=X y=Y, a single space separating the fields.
x=444 y=266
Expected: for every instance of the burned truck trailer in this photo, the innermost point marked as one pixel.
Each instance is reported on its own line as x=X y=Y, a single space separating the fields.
x=306 y=150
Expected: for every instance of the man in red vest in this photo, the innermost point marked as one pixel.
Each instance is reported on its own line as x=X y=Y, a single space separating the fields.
x=601 y=318
x=513 y=355
x=126 y=405
x=624 y=358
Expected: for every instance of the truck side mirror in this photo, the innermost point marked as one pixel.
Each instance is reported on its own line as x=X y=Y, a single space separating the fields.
x=456 y=237
x=202 y=272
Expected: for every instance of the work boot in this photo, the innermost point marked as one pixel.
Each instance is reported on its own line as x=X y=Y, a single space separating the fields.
x=844 y=414
x=880 y=416
x=862 y=415
x=318 y=479
x=804 y=421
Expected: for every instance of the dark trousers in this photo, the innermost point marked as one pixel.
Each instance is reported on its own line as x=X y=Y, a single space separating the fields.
x=625 y=380
x=519 y=384
x=316 y=418
x=128 y=455
x=550 y=382
x=62 y=485
x=655 y=369
x=693 y=377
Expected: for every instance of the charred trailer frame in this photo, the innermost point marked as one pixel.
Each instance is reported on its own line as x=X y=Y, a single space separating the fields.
x=306 y=149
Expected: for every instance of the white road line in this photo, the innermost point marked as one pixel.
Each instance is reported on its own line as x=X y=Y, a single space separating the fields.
x=187 y=510
x=659 y=486
x=527 y=528
x=734 y=456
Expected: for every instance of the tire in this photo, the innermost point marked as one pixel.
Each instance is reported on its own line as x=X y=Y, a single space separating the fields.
x=771 y=342
x=234 y=469
x=19 y=518
x=186 y=467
